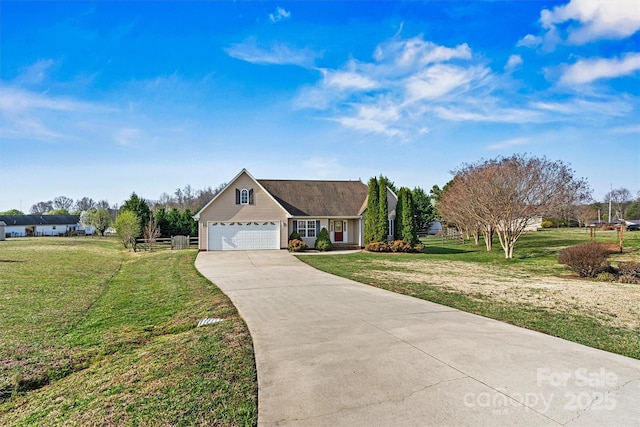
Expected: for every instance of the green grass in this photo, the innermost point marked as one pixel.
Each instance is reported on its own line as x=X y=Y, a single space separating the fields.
x=535 y=255
x=91 y=332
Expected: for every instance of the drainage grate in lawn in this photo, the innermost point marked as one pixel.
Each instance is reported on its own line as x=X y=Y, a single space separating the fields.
x=208 y=321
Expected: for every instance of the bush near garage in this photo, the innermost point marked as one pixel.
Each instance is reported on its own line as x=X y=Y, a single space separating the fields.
x=295 y=236
x=296 y=245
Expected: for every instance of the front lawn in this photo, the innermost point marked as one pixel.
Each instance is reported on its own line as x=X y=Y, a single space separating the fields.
x=532 y=290
x=91 y=333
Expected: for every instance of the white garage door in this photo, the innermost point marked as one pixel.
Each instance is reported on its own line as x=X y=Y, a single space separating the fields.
x=244 y=236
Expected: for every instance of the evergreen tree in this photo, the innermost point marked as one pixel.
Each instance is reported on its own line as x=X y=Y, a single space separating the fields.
x=372 y=212
x=162 y=220
x=174 y=218
x=140 y=208
x=397 y=235
x=382 y=225
x=408 y=218
x=423 y=209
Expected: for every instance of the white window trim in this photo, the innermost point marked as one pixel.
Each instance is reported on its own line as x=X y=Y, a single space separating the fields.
x=304 y=231
x=244 y=196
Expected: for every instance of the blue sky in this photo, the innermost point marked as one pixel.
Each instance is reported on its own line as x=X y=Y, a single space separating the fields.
x=102 y=99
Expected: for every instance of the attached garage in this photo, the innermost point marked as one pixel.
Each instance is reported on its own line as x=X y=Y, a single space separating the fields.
x=243 y=236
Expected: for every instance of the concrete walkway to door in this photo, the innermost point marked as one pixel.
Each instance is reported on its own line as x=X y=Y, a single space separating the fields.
x=333 y=352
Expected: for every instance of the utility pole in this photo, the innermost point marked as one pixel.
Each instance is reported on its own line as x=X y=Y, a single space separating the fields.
x=610 y=197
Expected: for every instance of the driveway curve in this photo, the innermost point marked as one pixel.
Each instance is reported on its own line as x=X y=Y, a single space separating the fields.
x=333 y=352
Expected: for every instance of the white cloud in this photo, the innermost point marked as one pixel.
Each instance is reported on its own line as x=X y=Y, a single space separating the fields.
x=626 y=129
x=394 y=94
x=36 y=73
x=472 y=113
x=598 y=19
x=348 y=80
x=280 y=14
x=442 y=79
x=611 y=106
x=530 y=41
x=276 y=54
x=416 y=52
x=373 y=119
x=513 y=142
x=589 y=70
x=513 y=62
x=13 y=100
x=411 y=86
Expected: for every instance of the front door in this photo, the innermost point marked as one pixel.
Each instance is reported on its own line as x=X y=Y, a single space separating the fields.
x=338 y=232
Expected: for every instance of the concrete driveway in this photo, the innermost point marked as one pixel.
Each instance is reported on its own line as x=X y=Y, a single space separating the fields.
x=333 y=352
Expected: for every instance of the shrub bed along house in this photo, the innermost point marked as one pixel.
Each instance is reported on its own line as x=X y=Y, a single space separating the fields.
x=395 y=246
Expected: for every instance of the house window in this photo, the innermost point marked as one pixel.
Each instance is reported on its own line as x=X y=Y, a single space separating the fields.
x=392 y=228
x=244 y=196
x=307 y=228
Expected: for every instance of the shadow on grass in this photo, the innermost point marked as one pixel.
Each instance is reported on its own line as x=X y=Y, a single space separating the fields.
x=11 y=260
x=439 y=250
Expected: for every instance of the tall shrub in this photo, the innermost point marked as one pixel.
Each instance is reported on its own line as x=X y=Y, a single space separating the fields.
x=323 y=242
x=382 y=225
x=588 y=260
x=397 y=232
x=407 y=218
x=371 y=219
x=127 y=228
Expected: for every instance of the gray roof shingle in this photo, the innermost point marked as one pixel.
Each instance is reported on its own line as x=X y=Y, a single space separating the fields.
x=11 y=220
x=318 y=198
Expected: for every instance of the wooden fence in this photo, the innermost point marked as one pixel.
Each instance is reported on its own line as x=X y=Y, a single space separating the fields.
x=174 y=243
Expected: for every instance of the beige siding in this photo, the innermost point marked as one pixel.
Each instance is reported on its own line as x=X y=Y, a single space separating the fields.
x=392 y=201
x=224 y=209
x=352 y=233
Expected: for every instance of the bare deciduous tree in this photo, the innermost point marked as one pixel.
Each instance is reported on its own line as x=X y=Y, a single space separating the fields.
x=619 y=198
x=62 y=202
x=41 y=207
x=585 y=213
x=151 y=232
x=504 y=195
x=85 y=203
x=186 y=198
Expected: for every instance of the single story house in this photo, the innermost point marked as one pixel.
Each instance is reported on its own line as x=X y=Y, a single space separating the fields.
x=42 y=225
x=251 y=214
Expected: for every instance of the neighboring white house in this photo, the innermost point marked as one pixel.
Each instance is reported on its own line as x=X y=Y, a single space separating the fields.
x=42 y=225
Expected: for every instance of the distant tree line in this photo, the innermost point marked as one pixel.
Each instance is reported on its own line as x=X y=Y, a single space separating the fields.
x=168 y=216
